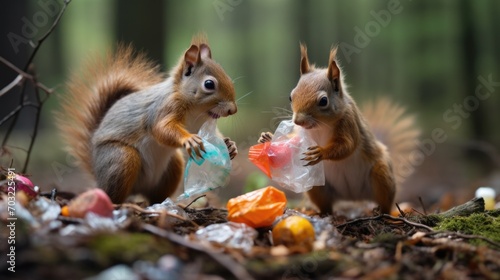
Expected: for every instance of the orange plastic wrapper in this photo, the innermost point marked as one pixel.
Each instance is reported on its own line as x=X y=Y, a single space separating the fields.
x=258 y=156
x=267 y=156
x=258 y=208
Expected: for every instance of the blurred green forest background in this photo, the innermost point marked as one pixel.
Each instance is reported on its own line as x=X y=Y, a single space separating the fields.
x=429 y=56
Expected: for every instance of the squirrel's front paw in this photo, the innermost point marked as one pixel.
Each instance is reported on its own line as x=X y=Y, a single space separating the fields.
x=265 y=137
x=231 y=147
x=313 y=155
x=194 y=144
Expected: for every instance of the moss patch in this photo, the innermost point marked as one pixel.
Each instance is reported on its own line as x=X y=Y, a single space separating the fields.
x=126 y=248
x=476 y=224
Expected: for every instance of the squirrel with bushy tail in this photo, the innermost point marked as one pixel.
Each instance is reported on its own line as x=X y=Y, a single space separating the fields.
x=127 y=123
x=362 y=150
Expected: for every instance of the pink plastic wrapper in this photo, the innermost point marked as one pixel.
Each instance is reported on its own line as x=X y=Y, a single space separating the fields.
x=280 y=159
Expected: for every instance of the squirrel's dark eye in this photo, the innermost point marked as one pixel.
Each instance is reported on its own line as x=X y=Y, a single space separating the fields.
x=323 y=102
x=290 y=98
x=209 y=85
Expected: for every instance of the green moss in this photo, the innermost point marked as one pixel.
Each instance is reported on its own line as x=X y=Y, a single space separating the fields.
x=387 y=238
x=481 y=224
x=126 y=247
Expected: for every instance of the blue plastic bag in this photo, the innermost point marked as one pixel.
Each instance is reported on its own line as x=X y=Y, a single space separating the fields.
x=210 y=172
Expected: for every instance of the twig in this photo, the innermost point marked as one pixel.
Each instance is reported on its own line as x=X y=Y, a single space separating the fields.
x=386 y=217
x=362 y=219
x=40 y=41
x=35 y=129
x=25 y=75
x=422 y=204
x=147 y=212
x=232 y=266
x=400 y=211
x=415 y=210
x=461 y=235
x=12 y=84
x=407 y=222
x=16 y=110
x=22 y=82
x=194 y=200
x=14 y=121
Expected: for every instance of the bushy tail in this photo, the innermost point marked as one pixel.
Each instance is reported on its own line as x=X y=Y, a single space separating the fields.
x=92 y=91
x=397 y=130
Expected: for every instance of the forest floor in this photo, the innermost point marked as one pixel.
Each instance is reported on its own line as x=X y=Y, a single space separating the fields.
x=175 y=242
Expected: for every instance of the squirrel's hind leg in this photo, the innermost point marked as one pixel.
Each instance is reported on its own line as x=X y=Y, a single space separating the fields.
x=384 y=186
x=322 y=197
x=116 y=167
x=169 y=181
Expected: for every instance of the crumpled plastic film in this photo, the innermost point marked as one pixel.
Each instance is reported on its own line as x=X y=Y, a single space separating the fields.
x=211 y=171
x=257 y=208
x=281 y=159
x=234 y=235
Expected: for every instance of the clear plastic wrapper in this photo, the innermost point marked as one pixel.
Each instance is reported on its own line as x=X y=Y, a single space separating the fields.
x=119 y=271
x=281 y=159
x=45 y=209
x=168 y=206
x=234 y=235
x=211 y=171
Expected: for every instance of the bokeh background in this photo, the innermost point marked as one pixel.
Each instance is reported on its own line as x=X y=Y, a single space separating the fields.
x=430 y=56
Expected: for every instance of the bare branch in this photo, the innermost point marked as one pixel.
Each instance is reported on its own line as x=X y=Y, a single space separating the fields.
x=40 y=41
x=25 y=75
x=35 y=129
x=21 y=80
x=17 y=110
x=12 y=84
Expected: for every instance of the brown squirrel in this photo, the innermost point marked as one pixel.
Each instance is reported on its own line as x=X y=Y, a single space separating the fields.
x=125 y=122
x=357 y=165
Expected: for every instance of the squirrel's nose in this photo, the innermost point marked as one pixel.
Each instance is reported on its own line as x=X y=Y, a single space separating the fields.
x=299 y=119
x=232 y=110
x=299 y=122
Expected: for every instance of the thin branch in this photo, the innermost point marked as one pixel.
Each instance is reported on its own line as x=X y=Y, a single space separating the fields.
x=25 y=75
x=194 y=200
x=40 y=41
x=14 y=121
x=400 y=211
x=36 y=86
x=422 y=204
x=141 y=210
x=35 y=129
x=389 y=217
x=232 y=266
x=449 y=234
x=15 y=82
x=408 y=222
x=16 y=110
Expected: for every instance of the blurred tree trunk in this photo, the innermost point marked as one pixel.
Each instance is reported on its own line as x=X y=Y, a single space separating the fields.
x=302 y=10
x=15 y=48
x=135 y=22
x=469 y=72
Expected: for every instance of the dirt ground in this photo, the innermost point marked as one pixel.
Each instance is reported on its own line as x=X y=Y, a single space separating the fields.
x=176 y=242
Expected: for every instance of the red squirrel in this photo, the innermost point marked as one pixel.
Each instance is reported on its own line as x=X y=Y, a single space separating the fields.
x=358 y=166
x=127 y=123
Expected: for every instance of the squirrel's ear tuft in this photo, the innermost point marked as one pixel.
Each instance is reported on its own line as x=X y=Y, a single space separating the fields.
x=191 y=55
x=205 y=51
x=304 y=61
x=191 y=59
x=334 y=71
